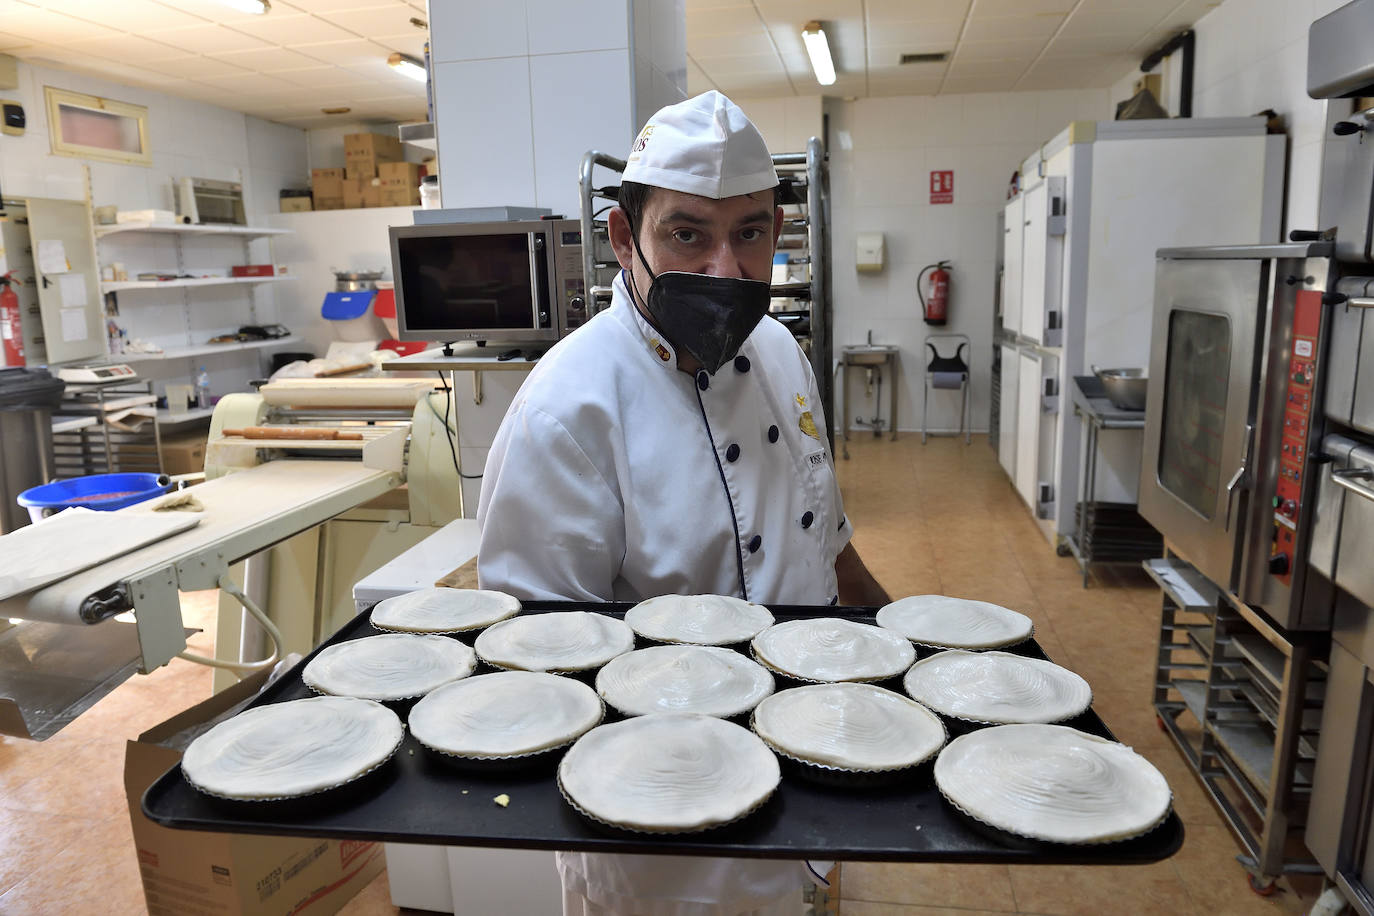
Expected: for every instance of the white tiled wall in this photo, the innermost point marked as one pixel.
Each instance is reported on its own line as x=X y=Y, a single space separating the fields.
x=1252 y=55
x=187 y=139
x=523 y=89
x=882 y=152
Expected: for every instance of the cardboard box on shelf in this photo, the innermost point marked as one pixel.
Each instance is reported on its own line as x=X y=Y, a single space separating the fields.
x=364 y=152
x=405 y=196
x=237 y=874
x=183 y=454
x=330 y=203
x=361 y=192
x=399 y=175
x=296 y=204
x=326 y=184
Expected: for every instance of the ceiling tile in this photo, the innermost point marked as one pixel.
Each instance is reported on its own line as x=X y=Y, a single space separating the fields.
x=194 y=67
x=1007 y=49
x=886 y=58
x=334 y=6
x=414 y=45
x=246 y=82
x=1112 y=22
x=879 y=88
x=915 y=10
x=719 y=67
x=1085 y=45
x=914 y=33
x=377 y=22
x=48 y=27
x=1000 y=69
x=1028 y=7
x=732 y=21
x=126 y=15
x=894 y=70
x=796 y=13
x=268 y=60
x=986 y=28
x=344 y=52
x=207 y=39
x=696 y=76
x=754 y=41
x=292 y=29
x=126 y=48
x=9 y=42
x=323 y=77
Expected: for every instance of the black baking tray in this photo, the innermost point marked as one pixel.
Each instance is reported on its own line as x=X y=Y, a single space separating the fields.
x=418 y=798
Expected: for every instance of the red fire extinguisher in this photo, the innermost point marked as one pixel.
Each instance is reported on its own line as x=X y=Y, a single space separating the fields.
x=935 y=310
x=11 y=334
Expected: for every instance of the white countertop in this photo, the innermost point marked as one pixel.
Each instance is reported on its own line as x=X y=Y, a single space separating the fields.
x=442 y=552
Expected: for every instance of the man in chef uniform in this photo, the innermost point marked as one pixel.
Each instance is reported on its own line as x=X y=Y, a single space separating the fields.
x=675 y=444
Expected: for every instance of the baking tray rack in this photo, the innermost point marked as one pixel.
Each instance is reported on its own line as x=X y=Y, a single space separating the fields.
x=418 y=798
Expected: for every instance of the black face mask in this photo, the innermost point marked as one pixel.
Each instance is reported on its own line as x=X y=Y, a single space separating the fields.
x=709 y=317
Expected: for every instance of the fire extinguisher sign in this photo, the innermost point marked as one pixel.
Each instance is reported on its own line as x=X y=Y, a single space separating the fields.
x=942 y=187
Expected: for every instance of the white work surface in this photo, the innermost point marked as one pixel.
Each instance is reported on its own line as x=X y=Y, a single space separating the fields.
x=244 y=513
x=440 y=553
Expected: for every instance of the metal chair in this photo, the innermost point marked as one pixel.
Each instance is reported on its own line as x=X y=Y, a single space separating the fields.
x=948 y=373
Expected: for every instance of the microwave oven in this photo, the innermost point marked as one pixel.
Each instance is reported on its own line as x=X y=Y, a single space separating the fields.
x=512 y=281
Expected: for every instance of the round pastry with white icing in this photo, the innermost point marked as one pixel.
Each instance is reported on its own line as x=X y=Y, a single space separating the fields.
x=561 y=641
x=700 y=620
x=829 y=649
x=285 y=750
x=955 y=623
x=443 y=610
x=997 y=687
x=1052 y=783
x=855 y=727
x=668 y=773
x=703 y=679
x=393 y=666
x=506 y=714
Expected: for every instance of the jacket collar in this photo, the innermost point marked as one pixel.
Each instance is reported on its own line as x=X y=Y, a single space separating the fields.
x=660 y=350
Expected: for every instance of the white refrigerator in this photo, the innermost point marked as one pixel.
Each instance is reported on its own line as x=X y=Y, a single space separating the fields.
x=1079 y=244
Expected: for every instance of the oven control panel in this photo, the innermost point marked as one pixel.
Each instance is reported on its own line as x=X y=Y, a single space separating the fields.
x=1298 y=407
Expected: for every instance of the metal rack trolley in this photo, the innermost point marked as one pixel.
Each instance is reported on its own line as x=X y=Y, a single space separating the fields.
x=1255 y=693
x=103 y=447
x=1098 y=413
x=806 y=183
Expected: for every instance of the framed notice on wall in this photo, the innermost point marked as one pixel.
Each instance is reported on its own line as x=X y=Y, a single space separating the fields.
x=942 y=187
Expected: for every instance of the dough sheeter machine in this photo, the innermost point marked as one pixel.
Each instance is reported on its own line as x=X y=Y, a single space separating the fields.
x=58 y=654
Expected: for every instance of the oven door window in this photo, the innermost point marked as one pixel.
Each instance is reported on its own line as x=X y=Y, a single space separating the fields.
x=1196 y=374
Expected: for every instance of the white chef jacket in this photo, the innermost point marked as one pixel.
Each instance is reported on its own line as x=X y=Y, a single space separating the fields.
x=614 y=476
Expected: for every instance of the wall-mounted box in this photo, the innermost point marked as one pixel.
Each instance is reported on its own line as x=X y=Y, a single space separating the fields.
x=869 y=252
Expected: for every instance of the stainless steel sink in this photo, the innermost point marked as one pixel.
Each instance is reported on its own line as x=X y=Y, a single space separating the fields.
x=867 y=355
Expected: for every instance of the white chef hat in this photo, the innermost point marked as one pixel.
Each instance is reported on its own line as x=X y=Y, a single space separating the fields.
x=704 y=146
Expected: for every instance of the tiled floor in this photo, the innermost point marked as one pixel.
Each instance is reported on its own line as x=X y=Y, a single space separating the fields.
x=939 y=518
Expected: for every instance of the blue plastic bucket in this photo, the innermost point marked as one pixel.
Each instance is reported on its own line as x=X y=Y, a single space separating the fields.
x=97 y=491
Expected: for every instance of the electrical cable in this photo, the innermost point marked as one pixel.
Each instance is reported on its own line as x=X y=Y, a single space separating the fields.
x=243 y=669
x=448 y=430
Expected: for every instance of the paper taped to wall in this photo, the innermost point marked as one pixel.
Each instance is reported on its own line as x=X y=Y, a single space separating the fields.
x=73 y=290
x=74 y=325
x=52 y=257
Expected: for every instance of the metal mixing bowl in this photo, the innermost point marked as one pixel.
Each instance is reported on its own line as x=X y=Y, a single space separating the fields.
x=1125 y=387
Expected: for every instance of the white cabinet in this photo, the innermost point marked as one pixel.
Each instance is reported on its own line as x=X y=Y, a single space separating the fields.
x=1013 y=230
x=1036 y=424
x=1007 y=416
x=1042 y=260
x=63 y=256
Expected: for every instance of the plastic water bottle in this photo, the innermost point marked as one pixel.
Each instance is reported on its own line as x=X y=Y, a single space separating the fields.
x=202 y=387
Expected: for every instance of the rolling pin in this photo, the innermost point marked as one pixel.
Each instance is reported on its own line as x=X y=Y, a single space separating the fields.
x=290 y=432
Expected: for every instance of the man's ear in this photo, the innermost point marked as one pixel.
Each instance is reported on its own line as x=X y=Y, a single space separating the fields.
x=777 y=226
x=622 y=242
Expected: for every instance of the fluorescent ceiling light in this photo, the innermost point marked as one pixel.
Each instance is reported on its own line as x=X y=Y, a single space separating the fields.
x=407 y=66
x=819 y=49
x=255 y=7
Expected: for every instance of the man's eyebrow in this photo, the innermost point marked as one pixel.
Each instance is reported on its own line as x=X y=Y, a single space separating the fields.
x=760 y=216
x=682 y=216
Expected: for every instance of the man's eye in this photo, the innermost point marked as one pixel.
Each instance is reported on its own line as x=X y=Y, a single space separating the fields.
x=752 y=234
x=685 y=236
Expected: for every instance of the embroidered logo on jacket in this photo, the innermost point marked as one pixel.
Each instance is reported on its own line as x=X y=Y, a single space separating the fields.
x=808 y=425
x=661 y=350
